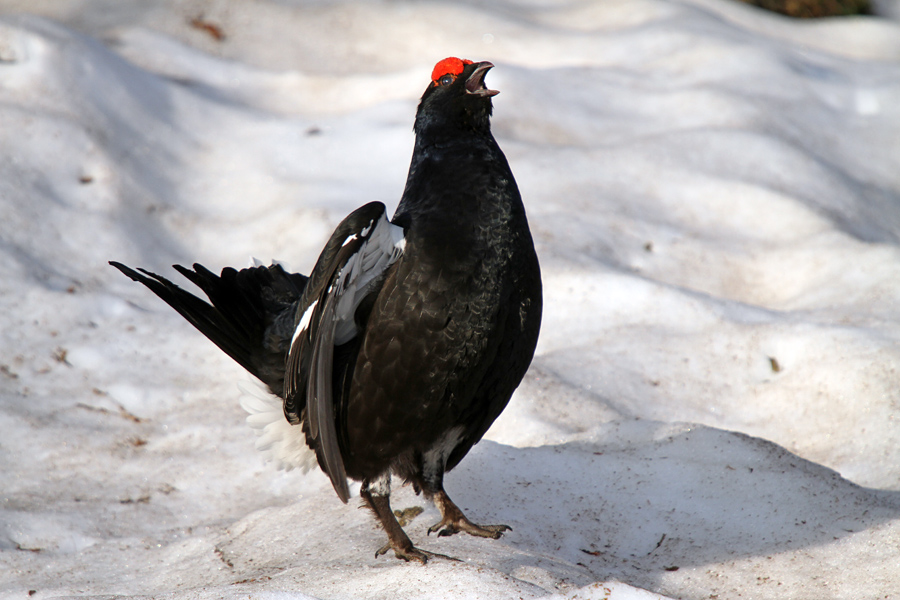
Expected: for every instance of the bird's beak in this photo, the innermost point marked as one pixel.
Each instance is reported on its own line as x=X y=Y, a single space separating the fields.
x=475 y=82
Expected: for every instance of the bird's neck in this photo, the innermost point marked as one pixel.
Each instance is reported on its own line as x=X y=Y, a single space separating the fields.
x=445 y=174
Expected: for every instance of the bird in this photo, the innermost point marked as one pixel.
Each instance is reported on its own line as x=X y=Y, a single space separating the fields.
x=410 y=334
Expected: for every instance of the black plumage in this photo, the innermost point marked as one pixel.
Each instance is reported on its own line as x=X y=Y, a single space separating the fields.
x=409 y=337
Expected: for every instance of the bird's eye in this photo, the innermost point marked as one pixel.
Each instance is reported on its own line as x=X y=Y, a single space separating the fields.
x=447 y=79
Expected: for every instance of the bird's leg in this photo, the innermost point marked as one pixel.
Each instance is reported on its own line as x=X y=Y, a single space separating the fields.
x=377 y=496
x=434 y=462
x=453 y=520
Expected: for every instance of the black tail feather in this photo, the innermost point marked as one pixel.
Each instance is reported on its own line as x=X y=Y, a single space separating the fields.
x=250 y=317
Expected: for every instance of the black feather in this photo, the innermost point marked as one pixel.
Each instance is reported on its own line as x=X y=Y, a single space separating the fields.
x=250 y=315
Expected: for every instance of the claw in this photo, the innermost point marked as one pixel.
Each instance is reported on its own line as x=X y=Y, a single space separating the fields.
x=412 y=553
x=383 y=550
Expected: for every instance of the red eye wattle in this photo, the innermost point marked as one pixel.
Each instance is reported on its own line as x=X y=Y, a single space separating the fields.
x=449 y=66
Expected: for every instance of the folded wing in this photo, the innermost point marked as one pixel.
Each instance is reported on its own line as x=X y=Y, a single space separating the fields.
x=351 y=267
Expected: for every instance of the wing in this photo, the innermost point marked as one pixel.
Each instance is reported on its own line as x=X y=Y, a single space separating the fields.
x=350 y=268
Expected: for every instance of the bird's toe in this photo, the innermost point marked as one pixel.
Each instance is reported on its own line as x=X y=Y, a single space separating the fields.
x=412 y=554
x=448 y=527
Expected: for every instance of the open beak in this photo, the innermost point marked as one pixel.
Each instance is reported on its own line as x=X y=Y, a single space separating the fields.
x=475 y=82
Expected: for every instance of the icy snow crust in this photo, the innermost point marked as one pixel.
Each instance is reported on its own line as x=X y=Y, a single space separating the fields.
x=715 y=196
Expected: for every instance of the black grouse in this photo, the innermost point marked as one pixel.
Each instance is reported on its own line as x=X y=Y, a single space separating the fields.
x=409 y=336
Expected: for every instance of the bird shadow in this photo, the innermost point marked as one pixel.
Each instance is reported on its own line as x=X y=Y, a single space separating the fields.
x=639 y=500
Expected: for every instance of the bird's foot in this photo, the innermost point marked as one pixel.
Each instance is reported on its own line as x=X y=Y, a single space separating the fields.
x=398 y=541
x=453 y=521
x=452 y=526
x=412 y=553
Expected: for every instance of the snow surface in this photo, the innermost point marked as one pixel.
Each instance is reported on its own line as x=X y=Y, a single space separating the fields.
x=715 y=196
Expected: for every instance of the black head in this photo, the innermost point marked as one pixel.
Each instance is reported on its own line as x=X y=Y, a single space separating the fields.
x=456 y=99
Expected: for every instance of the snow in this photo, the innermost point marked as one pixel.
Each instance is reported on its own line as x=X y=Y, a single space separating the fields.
x=715 y=197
